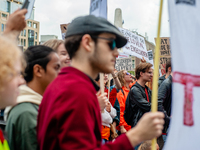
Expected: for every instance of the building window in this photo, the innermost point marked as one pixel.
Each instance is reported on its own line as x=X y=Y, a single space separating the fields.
x=21 y=33
x=36 y=35
x=25 y=33
x=35 y=25
x=29 y=23
x=24 y=42
x=2 y=27
x=35 y=43
x=133 y=63
x=4 y=15
x=30 y=38
x=8 y=7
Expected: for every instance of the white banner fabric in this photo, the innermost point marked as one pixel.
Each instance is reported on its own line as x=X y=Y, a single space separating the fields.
x=184 y=131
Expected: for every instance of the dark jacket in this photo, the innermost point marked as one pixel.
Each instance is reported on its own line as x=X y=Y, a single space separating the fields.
x=137 y=102
x=165 y=98
x=160 y=80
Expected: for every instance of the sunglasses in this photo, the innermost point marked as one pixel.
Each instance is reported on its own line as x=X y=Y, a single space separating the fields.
x=127 y=73
x=112 y=43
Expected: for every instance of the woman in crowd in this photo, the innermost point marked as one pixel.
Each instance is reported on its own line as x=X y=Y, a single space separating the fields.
x=59 y=47
x=125 y=79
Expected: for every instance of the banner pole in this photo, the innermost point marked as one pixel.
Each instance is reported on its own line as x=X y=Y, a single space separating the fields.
x=102 y=84
x=154 y=103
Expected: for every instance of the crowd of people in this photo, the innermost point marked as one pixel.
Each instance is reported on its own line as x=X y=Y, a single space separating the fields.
x=51 y=99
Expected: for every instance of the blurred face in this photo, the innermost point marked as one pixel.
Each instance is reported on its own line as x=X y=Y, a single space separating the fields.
x=127 y=77
x=63 y=55
x=104 y=57
x=10 y=92
x=52 y=70
x=147 y=76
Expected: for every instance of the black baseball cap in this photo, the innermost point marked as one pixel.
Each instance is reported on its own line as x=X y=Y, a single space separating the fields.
x=91 y=24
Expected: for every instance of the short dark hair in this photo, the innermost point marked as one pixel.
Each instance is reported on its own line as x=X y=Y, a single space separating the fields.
x=168 y=64
x=72 y=43
x=143 y=67
x=36 y=55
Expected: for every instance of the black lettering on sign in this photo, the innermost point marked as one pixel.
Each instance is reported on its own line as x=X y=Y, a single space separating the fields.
x=190 y=2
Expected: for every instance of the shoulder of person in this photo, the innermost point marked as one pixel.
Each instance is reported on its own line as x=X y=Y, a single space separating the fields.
x=23 y=110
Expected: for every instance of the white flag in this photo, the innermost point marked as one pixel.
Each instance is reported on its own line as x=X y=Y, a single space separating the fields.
x=98 y=8
x=184 y=131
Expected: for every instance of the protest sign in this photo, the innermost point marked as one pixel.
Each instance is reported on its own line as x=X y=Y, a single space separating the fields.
x=63 y=28
x=135 y=46
x=124 y=64
x=28 y=4
x=165 y=53
x=98 y=8
x=163 y=61
x=122 y=55
x=184 y=131
x=165 y=46
x=150 y=56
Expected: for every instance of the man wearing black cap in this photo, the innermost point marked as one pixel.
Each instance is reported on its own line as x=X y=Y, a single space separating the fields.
x=69 y=115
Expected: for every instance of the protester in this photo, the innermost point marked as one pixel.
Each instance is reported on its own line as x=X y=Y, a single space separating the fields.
x=43 y=66
x=70 y=118
x=125 y=79
x=59 y=47
x=139 y=98
x=12 y=64
x=164 y=101
x=16 y=22
x=168 y=70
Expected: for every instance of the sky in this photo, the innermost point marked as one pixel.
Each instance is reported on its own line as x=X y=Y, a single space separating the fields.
x=138 y=15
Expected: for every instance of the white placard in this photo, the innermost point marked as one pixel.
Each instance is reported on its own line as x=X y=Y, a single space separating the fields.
x=124 y=64
x=98 y=8
x=122 y=55
x=28 y=4
x=150 y=56
x=184 y=132
x=135 y=46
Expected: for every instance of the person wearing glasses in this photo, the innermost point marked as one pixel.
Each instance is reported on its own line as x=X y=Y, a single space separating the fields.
x=125 y=79
x=70 y=118
x=139 y=97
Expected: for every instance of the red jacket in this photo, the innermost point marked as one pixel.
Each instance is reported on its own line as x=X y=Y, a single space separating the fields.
x=69 y=115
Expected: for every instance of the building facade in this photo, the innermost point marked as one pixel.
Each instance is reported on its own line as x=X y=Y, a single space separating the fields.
x=45 y=38
x=30 y=35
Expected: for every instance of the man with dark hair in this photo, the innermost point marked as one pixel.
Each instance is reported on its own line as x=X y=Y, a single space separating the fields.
x=139 y=97
x=168 y=70
x=165 y=99
x=43 y=65
x=70 y=118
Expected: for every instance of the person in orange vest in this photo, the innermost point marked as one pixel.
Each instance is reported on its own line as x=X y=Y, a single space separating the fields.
x=125 y=79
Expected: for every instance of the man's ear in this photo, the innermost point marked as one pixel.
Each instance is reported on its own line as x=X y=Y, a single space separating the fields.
x=38 y=71
x=87 y=43
x=141 y=73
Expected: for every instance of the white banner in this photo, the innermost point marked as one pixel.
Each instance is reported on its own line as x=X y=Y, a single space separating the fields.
x=28 y=4
x=124 y=64
x=122 y=55
x=135 y=46
x=184 y=132
x=150 y=56
x=98 y=8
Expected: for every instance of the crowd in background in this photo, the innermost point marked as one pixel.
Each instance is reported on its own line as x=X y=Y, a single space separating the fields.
x=50 y=96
